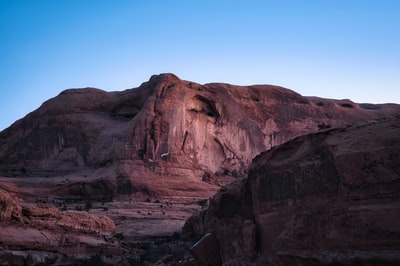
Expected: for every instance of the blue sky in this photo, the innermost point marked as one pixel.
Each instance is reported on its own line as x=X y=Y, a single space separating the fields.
x=328 y=48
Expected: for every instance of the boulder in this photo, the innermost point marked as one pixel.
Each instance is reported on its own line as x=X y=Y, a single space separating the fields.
x=206 y=250
x=327 y=198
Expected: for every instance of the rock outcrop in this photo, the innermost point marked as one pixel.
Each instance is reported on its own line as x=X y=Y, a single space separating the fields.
x=149 y=157
x=9 y=208
x=327 y=198
x=166 y=137
x=43 y=235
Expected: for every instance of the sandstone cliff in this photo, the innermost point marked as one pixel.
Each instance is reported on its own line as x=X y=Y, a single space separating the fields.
x=166 y=137
x=328 y=198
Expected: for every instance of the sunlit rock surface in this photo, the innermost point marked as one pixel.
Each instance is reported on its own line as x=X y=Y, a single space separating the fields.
x=166 y=137
x=149 y=157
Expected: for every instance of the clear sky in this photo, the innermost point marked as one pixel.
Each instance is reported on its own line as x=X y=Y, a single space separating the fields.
x=328 y=48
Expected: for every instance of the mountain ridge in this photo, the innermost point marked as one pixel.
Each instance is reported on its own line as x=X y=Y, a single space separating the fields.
x=208 y=132
x=148 y=158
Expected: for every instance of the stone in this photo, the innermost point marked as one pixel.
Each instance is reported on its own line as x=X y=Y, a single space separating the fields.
x=9 y=208
x=41 y=234
x=174 y=143
x=324 y=198
x=196 y=137
x=206 y=250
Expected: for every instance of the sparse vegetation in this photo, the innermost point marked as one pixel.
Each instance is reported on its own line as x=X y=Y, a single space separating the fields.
x=323 y=126
x=119 y=236
x=347 y=105
x=202 y=202
x=88 y=206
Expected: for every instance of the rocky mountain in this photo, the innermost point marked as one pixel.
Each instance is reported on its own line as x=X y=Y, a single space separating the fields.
x=105 y=178
x=166 y=137
x=327 y=198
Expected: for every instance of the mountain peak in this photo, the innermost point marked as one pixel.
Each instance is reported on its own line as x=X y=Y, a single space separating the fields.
x=164 y=78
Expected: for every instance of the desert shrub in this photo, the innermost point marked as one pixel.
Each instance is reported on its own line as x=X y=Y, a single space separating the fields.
x=119 y=236
x=88 y=206
x=323 y=126
x=347 y=105
x=202 y=202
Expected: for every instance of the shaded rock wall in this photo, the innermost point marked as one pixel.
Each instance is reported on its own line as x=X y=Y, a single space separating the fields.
x=325 y=198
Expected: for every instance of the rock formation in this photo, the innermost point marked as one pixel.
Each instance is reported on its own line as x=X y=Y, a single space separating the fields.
x=149 y=157
x=166 y=137
x=327 y=198
x=43 y=235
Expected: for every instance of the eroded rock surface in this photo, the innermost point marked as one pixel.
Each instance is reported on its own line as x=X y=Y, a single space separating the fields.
x=41 y=234
x=148 y=158
x=166 y=137
x=9 y=208
x=329 y=198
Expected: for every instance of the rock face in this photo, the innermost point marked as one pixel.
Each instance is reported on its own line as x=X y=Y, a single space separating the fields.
x=328 y=198
x=9 y=208
x=149 y=157
x=41 y=234
x=166 y=137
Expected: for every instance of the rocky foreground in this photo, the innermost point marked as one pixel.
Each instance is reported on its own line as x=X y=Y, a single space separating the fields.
x=103 y=178
x=36 y=234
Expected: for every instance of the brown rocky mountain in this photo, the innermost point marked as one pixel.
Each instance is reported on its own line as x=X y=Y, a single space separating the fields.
x=166 y=137
x=328 y=198
x=149 y=157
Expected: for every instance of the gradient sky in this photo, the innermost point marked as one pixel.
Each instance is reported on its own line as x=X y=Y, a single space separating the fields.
x=328 y=48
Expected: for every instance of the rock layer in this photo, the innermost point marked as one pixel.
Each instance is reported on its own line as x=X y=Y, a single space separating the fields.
x=168 y=136
x=328 y=198
x=41 y=234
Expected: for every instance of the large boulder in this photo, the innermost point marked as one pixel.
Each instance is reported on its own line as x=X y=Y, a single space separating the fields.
x=328 y=198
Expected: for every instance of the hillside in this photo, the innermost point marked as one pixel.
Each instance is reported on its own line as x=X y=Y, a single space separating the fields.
x=166 y=137
x=111 y=177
